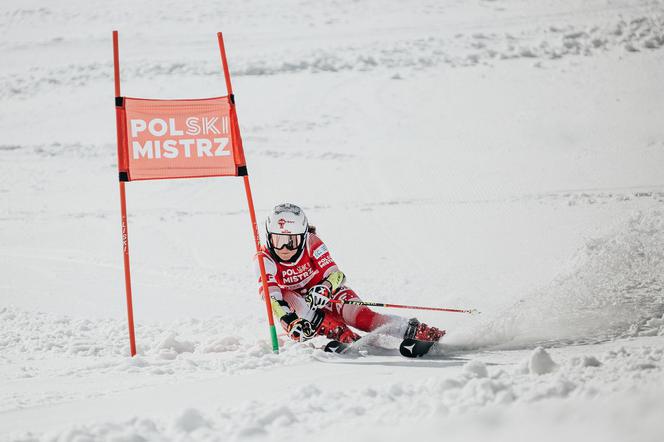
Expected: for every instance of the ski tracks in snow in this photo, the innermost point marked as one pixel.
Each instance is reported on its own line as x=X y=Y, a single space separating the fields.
x=226 y=407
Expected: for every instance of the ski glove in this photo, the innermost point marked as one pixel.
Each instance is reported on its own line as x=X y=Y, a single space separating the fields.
x=298 y=329
x=317 y=297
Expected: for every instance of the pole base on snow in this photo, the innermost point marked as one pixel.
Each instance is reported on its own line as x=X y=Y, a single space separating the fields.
x=275 y=341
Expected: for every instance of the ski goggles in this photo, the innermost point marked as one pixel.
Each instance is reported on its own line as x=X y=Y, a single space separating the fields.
x=291 y=242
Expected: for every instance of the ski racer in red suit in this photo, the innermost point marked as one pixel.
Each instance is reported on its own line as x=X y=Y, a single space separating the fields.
x=302 y=277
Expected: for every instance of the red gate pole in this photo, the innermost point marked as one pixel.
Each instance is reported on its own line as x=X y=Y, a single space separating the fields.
x=261 y=264
x=252 y=212
x=123 y=206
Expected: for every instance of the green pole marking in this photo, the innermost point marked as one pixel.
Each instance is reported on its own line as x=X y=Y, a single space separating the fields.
x=275 y=342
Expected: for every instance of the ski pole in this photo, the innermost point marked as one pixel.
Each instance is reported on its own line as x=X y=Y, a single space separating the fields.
x=413 y=307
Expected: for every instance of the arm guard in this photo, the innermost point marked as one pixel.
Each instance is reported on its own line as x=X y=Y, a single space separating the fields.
x=336 y=280
x=280 y=308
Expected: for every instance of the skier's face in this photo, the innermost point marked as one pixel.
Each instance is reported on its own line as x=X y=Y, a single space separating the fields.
x=285 y=254
x=285 y=245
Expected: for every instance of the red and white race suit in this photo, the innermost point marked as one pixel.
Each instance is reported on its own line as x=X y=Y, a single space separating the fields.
x=289 y=282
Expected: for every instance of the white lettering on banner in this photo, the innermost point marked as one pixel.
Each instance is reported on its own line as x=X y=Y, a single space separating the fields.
x=187 y=146
x=192 y=126
x=202 y=147
x=152 y=127
x=221 y=151
x=172 y=148
x=210 y=128
x=137 y=126
x=158 y=127
x=142 y=151
x=173 y=130
x=170 y=151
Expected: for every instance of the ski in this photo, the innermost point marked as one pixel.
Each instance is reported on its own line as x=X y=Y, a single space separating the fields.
x=409 y=348
x=413 y=348
x=336 y=347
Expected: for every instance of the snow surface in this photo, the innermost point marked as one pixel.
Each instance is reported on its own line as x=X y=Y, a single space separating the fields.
x=501 y=155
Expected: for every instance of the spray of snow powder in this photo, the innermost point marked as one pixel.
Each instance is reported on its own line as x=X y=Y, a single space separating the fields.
x=614 y=287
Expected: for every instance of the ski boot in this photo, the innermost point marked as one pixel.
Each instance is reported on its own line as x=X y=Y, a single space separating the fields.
x=340 y=335
x=419 y=338
x=333 y=327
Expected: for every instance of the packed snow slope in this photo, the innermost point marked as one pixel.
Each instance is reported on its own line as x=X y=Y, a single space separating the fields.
x=500 y=155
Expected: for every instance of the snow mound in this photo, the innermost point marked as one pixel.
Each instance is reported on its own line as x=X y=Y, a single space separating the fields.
x=83 y=348
x=651 y=327
x=539 y=362
x=222 y=345
x=476 y=368
x=586 y=361
x=477 y=388
x=132 y=430
x=169 y=347
x=190 y=420
x=614 y=287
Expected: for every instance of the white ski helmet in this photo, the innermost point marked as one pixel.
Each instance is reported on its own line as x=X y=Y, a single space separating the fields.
x=286 y=226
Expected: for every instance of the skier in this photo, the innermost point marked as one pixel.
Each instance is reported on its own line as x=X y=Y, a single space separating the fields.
x=302 y=278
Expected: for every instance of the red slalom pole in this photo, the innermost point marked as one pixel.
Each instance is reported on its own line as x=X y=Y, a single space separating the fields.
x=252 y=211
x=123 y=207
x=224 y=64
x=261 y=265
x=412 y=307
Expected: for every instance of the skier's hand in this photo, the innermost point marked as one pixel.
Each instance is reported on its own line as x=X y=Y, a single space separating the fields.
x=298 y=329
x=318 y=296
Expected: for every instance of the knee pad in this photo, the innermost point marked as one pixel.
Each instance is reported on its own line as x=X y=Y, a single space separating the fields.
x=344 y=294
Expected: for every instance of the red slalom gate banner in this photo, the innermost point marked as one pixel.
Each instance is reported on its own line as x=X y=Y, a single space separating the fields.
x=190 y=138
x=163 y=139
